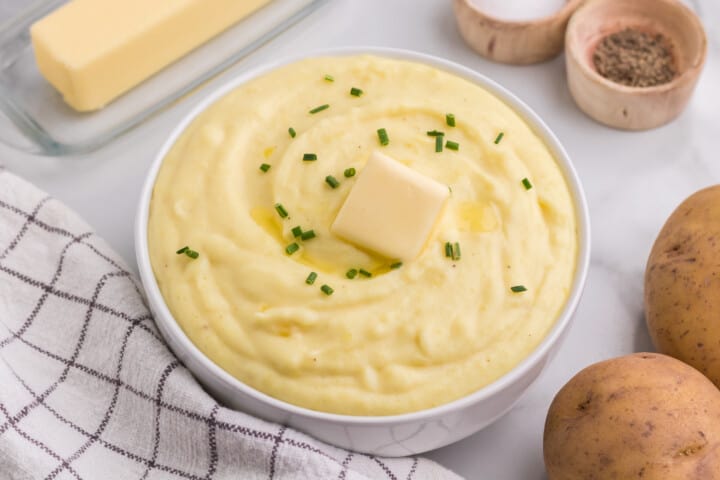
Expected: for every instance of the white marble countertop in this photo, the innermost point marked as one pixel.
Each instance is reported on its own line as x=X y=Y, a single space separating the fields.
x=633 y=182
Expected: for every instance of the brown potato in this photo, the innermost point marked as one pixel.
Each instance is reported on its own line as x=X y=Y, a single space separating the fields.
x=643 y=416
x=682 y=284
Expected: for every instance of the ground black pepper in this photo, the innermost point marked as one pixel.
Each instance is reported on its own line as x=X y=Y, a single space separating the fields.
x=635 y=58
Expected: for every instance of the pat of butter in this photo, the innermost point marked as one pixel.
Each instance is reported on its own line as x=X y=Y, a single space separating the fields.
x=92 y=51
x=391 y=209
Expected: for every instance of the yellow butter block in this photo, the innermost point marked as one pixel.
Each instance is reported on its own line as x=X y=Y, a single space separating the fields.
x=93 y=51
x=391 y=209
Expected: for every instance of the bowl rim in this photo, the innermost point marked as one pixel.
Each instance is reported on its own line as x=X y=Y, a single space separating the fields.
x=165 y=319
x=688 y=75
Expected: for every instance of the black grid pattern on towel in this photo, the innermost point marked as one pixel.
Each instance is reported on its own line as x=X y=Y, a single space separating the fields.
x=94 y=274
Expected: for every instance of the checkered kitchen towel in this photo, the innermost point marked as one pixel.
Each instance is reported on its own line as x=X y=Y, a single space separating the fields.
x=88 y=389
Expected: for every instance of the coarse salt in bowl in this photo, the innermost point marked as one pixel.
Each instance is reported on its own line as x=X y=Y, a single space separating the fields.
x=519 y=10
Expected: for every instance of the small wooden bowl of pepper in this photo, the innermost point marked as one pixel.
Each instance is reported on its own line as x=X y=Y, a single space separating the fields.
x=633 y=64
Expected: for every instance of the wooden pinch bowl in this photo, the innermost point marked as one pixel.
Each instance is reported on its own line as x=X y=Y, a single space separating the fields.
x=621 y=106
x=514 y=42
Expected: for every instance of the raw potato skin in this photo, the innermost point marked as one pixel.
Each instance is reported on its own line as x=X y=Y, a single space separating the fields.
x=643 y=416
x=682 y=284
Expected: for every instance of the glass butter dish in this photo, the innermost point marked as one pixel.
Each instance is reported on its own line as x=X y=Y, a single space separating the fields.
x=34 y=118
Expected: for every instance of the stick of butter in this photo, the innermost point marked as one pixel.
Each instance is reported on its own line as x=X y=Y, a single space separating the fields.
x=92 y=51
x=391 y=209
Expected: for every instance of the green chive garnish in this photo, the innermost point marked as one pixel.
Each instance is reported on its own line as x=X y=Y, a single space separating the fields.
x=355 y=92
x=518 y=289
x=452 y=250
x=439 y=143
x=296 y=231
x=309 y=235
x=281 y=210
x=327 y=290
x=311 y=278
x=526 y=183
x=264 y=167
x=383 y=137
x=352 y=273
x=364 y=273
x=319 y=109
x=435 y=133
x=396 y=265
x=292 y=248
x=349 y=172
x=499 y=138
x=450 y=119
x=329 y=78
x=456 y=251
x=292 y=132
x=309 y=157
x=332 y=181
x=452 y=145
x=187 y=251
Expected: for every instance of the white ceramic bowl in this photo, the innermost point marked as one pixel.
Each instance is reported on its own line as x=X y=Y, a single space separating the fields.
x=396 y=435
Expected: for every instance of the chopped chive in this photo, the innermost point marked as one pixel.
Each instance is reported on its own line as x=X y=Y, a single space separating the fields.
x=439 y=143
x=187 y=251
x=499 y=138
x=309 y=235
x=309 y=157
x=281 y=210
x=311 y=278
x=319 y=109
x=329 y=78
x=356 y=92
x=332 y=181
x=450 y=119
x=452 y=250
x=327 y=290
x=297 y=231
x=526 y=183
x=396 y=265
x=292 y=132
x=435 y=133
x=383 y=137
x=452 y=145
x=518 y=289
x=349 y=172
x=292 y=248
x=264 y=167
x=364 y=273
x=352 y=273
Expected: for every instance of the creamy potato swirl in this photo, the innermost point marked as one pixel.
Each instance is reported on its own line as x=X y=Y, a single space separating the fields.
x=406 y=339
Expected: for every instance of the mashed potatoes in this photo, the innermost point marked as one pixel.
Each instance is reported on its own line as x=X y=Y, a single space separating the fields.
x=404 y=339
